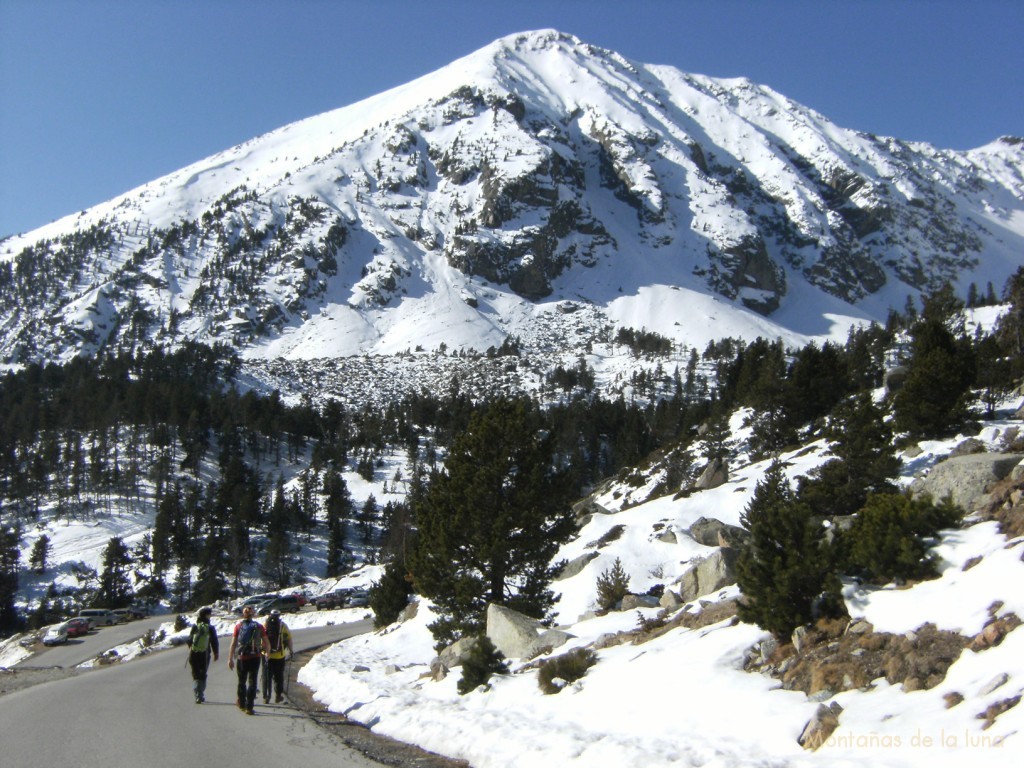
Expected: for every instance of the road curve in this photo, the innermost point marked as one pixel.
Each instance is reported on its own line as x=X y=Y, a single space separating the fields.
x=143 y=713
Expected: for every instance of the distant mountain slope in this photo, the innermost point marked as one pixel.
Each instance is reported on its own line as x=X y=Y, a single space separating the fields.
x=477 y=201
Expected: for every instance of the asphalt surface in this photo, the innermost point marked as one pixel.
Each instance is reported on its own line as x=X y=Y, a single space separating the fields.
x=142 y=713
x=78 y=650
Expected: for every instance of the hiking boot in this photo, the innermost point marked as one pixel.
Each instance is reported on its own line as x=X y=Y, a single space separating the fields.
x=279 y=699
x=239 y=704
x=249 y=711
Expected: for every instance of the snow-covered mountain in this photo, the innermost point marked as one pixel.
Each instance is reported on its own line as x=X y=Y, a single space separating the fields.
x=541 y=188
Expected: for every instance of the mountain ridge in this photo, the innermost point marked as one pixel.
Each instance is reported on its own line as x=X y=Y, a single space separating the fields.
x=459 y=208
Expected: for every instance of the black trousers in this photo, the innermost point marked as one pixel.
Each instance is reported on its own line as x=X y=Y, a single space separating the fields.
x=275 y=676
x=248 y=675
x=200 y=663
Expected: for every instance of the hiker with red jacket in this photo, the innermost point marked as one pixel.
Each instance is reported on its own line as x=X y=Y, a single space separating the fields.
x=202 y=641
x=248 y=643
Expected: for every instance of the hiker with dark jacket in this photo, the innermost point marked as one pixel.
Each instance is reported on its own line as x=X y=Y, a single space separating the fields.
x=280 y=640
x=202 y=641
x=248 y=643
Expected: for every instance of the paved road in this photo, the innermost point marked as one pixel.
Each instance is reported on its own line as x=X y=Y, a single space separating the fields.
x=78 y=650
x=142 y=713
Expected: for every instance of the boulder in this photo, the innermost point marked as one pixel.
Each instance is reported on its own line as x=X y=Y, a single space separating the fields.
x=547 y=642
x=457 y=652
x=585 y=509
x=438 y=671
x=576 y=565
x=966 y=479
x=511 y=632
x=821 y=726
x=716 y=473
x=715 y=533
x=632 y=602
x=708 y=575
x=668 y=536
x=669 y=599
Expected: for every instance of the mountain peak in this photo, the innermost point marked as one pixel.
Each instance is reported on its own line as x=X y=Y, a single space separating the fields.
x=538 y=172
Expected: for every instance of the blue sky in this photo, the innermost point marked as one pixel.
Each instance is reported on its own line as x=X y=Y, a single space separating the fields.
x=98 y=97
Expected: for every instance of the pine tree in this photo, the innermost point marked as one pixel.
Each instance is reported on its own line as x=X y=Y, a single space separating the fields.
x=367 y=518
x=933 y=397
x=865 y=461
x=40 y=554
x=784 y=569
x=612 y=586
x=115 y=587
x=390 y=595
x=492 y=521
x=338 y=505
x=10 y=557
x=892 y=535
x=1010 y=329
x=714 y=442
x=483 y=661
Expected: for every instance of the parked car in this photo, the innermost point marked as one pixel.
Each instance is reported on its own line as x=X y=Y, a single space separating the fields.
x=282 y=603
x=330 y=600
x=301 y=598
x=254 y=601
x=55 y=635
x=358 y=598
x=78 y=626
x=100 y=617
x=124 y=615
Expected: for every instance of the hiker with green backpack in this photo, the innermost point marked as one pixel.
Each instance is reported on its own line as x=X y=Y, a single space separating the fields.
x=202 y=641
x=248 y=644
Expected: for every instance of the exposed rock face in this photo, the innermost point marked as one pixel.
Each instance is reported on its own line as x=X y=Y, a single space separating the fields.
x=519 y=180
x=966 y=479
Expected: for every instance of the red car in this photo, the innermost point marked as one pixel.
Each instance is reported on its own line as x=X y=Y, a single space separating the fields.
x=77 y=627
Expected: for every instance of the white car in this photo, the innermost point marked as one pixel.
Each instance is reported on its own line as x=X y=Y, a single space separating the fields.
x=56 y=635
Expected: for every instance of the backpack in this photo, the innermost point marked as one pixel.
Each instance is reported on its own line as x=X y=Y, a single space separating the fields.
x=249 y=639
x=200 y=637
x=274 y=633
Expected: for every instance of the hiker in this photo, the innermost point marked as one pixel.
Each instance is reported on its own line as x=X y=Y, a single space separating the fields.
x=248 y=642
x=202 y=641
x=279 y=637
